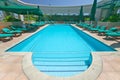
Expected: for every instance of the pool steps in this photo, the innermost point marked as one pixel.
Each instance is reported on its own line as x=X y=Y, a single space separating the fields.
x=60 y=64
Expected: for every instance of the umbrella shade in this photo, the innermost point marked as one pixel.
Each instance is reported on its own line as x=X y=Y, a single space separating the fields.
x=81 y=14
x=21 y=10
x=18 y=8
x=108 y=3
x=93 y=11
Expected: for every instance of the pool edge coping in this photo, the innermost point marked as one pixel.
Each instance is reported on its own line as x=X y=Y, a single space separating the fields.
x=34 y=74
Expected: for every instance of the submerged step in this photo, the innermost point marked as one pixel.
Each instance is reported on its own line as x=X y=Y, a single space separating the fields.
x=38 y=63
x=62 y=69
x=60 y=59
x=61 y=54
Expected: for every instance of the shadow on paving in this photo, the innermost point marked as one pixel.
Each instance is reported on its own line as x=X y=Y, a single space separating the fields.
x=115 y=45
x=109 y=39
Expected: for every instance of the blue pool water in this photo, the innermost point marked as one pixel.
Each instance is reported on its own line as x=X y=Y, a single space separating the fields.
x=61 y=50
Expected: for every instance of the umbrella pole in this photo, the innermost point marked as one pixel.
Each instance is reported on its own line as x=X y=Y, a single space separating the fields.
x=28 y=16
x=28 y=21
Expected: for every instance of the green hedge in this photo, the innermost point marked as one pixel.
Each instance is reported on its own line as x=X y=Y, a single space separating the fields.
x=10 y=19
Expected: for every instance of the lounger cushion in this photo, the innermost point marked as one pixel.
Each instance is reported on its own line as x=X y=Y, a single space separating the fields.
x=6 y=35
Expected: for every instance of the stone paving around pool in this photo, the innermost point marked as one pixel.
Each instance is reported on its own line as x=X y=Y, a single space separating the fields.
x=111 y=68
x=11 y=63
x=11 y=67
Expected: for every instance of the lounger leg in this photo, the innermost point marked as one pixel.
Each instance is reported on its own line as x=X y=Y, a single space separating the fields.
x=17 y=34
x=6 y=39
x=11 y=38
x=107 y=37
x=99 y=34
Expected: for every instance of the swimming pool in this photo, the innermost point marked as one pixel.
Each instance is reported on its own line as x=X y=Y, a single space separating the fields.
x=61 y=50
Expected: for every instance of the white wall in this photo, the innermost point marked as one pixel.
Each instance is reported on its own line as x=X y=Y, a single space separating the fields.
x=1 y=16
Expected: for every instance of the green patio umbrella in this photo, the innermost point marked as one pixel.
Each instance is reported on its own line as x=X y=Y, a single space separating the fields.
x=111 y=9
x=81 y=15
x=93 y=11
x=11 y=6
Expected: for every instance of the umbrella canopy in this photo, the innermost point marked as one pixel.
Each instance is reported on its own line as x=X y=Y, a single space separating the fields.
x=93 y=11
x=107 y=4
x=81 y=14
x=14 y=7
x=111 y=9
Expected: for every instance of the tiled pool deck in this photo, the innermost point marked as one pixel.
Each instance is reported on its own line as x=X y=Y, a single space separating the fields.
x=11 y=64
